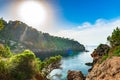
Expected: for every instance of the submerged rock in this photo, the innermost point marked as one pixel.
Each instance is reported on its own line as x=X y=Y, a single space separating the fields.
x=75 y=75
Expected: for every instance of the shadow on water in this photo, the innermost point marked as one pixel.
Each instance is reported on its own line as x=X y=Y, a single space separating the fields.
x=65 y=54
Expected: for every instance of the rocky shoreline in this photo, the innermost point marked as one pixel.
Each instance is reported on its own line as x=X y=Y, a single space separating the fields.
x=108 y=69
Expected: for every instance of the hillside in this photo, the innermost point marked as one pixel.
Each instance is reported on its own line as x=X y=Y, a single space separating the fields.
x=20 y=36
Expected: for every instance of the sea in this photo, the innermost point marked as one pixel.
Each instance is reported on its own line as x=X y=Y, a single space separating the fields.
x=73 y=62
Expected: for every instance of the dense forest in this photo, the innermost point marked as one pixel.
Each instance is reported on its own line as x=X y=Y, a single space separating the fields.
x=19 y=36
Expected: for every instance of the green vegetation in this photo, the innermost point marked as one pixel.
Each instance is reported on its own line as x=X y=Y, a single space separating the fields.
x=5 y=51
x=104 y=58
x=23 y=66
x=114 y=39
x=19 y=36
x=1 y=24
x=116 y=52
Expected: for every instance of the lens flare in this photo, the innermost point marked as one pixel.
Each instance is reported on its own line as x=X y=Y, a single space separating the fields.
x=32 y=12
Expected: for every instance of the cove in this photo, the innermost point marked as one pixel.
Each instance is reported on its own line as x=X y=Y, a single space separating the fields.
x=73 y=62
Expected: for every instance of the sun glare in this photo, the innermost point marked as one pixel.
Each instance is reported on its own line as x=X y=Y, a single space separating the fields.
x=32 y=13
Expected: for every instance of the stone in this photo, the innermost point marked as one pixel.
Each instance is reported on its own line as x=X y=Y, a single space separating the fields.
x=108 y=70
x=75 y=75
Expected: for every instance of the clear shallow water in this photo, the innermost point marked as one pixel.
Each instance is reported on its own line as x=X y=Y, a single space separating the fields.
x=76 y=62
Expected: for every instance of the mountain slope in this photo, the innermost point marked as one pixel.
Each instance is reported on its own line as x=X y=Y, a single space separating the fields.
x=20 y=36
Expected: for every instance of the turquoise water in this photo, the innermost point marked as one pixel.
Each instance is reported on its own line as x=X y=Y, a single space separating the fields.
x=76 y=62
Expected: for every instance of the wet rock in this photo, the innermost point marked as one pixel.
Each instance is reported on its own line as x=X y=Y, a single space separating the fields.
x=89 y=64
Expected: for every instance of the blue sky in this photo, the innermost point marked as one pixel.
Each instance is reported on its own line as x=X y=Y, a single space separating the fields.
x=79 y=11
x=87 y=21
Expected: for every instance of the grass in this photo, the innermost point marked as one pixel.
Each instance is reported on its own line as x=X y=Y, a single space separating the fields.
x=116 y=52
x=104 y=58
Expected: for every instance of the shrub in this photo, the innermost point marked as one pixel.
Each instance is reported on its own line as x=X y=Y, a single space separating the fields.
x=24 y=66
x=116 y=52
x=5 y=51
x=4 y=70
x=114 y=39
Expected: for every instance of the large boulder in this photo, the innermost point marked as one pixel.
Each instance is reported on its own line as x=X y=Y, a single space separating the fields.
x=75 y=75
x=100 y=51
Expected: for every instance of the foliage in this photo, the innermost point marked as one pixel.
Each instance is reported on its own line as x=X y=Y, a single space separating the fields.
x=51 y=64
x=49 y=61
x=52 y=59
x=104 y=58
x=116 y=51
x=4 y=71
x=1 y=24
x=13 y=30
x=5 y=51
x=114 y=39
x=25 y=65
x=22 y=66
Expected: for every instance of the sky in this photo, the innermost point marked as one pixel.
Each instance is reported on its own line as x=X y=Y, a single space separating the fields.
x=87 y=21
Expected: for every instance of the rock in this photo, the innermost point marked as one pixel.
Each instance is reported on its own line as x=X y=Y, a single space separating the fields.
x=86 y=50
x=101 y=50
x=75 y=75
x=108 y=70
x=89 y=64
x=39 y=77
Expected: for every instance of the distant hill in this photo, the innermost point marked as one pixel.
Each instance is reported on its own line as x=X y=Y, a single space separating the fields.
x=20 y=36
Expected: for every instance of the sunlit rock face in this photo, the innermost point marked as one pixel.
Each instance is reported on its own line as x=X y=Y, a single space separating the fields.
x=108 y=70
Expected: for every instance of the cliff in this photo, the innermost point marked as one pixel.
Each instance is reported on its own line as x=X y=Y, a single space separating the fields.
x=108 y=70
x=20 y=36
x=105 y=66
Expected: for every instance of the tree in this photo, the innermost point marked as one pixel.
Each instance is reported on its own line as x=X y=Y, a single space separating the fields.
x=1 y=23
x=24 y=66
x=4 y=71
x=114 y=39
x=5 y=51
x=51 y=64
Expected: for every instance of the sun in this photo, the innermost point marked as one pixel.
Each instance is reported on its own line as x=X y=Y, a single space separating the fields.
x=32 y=12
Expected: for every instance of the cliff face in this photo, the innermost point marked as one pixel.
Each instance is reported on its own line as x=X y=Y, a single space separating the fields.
x=99 y=52
x=105 y=66
x=18 y=35
x=108 y=70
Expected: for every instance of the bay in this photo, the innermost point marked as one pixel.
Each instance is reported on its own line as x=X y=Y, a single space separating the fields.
x=73 y=62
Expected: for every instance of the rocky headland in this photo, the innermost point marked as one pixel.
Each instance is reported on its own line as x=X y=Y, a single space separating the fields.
x=103 y=67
